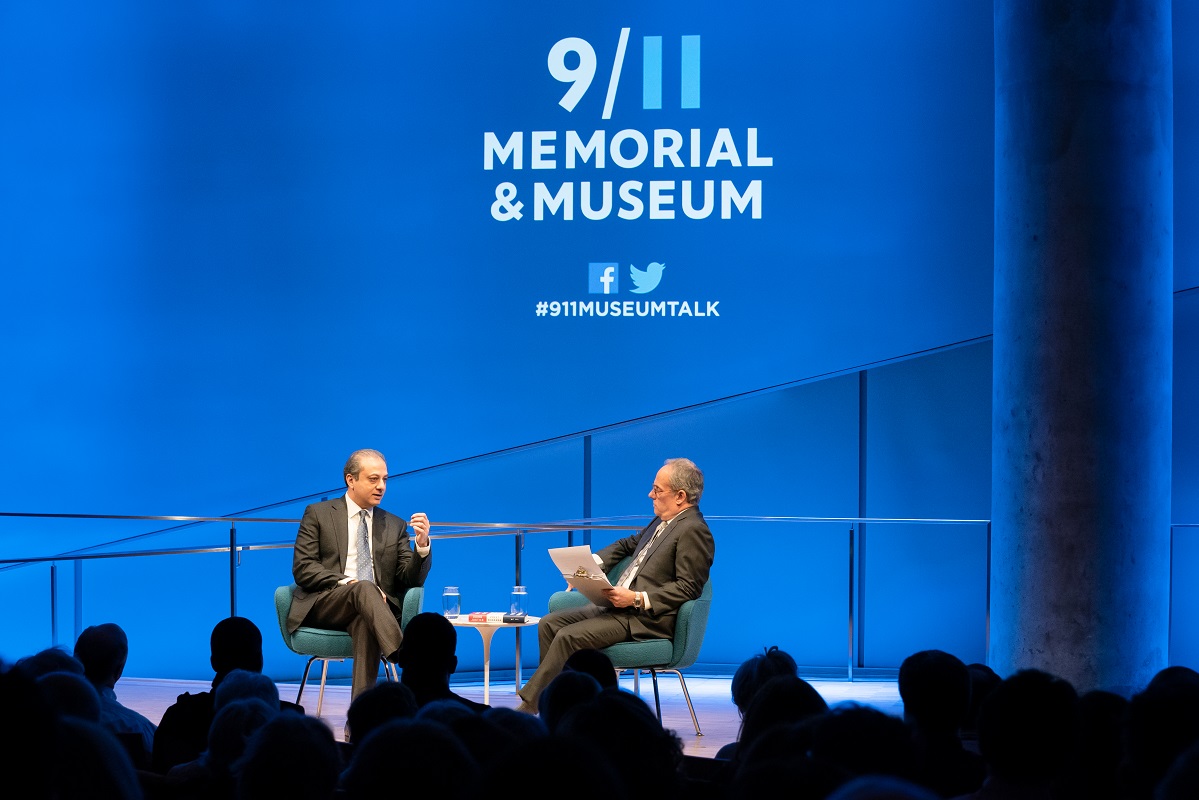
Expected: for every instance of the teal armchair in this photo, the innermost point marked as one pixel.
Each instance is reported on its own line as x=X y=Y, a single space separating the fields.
x=657 y=655
x=324 y=645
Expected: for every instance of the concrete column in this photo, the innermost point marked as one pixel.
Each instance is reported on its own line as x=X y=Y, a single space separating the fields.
x=1083 y=339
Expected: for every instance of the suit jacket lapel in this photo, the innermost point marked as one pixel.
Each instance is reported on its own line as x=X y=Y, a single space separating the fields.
x=379 y=522
x=341 y=529
x=670 y=531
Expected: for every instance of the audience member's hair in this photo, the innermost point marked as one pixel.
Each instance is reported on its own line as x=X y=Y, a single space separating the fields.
x=91 y=763
x=864 y=741
x=1181 y=781
x=596 y=664
x=781 y=699
x=71 y=695
x=882 y=787
x=779 y=757
x=755 y=671
x=446 y=769
x=1162 y=722
x=380 y=704
x=523 y=728
x=102 y=649
x=935 y=689
x=559 y=764
x=25 y=750
x=240 y=684
x=52 y=659
x=232 y=728
x=429 y=646
x=564 y=692
x=612 y=720
x=1093 y=771
x=983 y=681
x=1026 y=728
x=292 y=756
x=235 y=643
x=447 y=712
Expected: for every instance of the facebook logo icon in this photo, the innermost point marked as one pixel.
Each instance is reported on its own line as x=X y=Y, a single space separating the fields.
x=603 y=278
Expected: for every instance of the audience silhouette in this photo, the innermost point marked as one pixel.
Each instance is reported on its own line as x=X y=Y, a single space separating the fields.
x=427 y=658
x=1037 y=737
x=103 y=651
x=234 y=644
x=935 y=689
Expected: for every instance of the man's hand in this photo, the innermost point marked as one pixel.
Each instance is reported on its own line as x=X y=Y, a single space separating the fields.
x=420 y=524
x=619 y=597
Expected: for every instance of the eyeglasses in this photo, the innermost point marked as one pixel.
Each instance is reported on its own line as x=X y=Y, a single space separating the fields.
x=658 y=491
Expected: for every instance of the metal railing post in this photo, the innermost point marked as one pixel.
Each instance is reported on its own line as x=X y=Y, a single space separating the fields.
x=233 y=554
x=54 y=603
x=520 y=545
x=849 y=674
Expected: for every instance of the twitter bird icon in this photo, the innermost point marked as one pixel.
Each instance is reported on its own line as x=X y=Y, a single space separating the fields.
x=646 y=280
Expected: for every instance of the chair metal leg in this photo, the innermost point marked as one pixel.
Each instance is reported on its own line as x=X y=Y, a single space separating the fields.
x=653 y=674
x=320 y=698
x=687 y=696
x=304 y=679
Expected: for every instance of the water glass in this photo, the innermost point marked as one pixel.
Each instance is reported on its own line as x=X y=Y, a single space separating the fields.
x=451 y=602
x=519 y=601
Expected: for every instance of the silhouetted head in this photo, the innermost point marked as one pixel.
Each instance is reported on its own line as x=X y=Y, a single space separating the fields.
x=864 y=741
x=52 y=659
x=71 y=694
x=1163 y=721
x=756 y=670
x=596 y=664
x=1027 y=727
x=781 y=699
x=377 y=706
x=103 y=650
x=231 y=730
x=564 y=692
x=241 y=684
x=935 y=689
x=446 y=769
x=236 y=643
x=620 y=726
x=292 y=756
x=429 y=645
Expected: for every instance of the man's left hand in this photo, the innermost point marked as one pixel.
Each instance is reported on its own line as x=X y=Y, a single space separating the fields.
x=420 y=524
x=619 y=597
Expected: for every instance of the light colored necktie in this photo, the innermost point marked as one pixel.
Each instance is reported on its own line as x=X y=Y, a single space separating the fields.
x=630 y=571
x=366 y=569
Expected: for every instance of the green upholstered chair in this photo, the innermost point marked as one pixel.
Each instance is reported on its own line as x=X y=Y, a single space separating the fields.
x=656 y=655
x=324 y=645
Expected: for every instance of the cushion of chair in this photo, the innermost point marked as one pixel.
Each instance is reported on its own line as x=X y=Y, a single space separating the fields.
x=321 y=642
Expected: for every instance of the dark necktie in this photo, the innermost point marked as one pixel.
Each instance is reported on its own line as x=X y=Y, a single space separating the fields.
x=630 y=571
x=366 y=569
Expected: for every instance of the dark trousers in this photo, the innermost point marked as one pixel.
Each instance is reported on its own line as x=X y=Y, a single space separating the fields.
x=563 y=633
x=359 y=609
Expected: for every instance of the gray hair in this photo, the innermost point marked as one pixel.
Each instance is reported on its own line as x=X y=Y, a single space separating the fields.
x=686 y=476
x=354 y=462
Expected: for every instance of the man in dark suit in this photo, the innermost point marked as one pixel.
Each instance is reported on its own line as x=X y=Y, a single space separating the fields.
x=353 y=563
x=672 y=557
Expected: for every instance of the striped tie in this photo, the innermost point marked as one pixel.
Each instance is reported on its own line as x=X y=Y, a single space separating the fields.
x=630 y=571
x=366 y=569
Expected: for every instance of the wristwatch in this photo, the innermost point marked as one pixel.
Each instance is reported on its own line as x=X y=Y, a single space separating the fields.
x=637 y=600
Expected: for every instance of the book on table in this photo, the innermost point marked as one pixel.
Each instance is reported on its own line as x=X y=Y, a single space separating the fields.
x=496 y=617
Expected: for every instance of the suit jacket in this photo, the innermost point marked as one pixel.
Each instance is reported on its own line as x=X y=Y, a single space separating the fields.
x=674 y=570
x=319 y=562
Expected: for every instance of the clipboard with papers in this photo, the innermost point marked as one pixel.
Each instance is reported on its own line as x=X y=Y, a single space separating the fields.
x=579 y=569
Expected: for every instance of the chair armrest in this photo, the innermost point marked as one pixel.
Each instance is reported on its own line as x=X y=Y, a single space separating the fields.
x=560 y=601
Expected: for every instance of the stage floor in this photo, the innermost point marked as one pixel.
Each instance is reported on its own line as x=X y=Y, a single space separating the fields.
x=714 y=707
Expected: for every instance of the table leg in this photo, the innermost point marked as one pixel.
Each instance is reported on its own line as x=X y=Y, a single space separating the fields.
x=486 y=633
